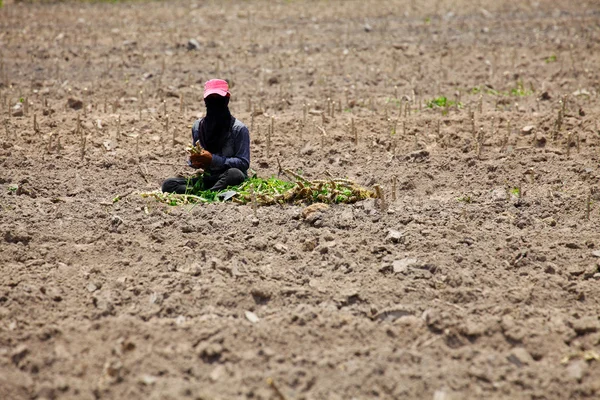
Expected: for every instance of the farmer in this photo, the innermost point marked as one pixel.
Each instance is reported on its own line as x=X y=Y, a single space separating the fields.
x=225 y=157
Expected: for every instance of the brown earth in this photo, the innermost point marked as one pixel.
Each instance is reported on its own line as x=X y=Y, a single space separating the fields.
x=477 y=279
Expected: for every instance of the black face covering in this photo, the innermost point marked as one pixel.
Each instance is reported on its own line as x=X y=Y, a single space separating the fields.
x=216 y=123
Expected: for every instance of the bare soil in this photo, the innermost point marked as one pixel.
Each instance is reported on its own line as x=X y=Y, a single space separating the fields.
x=476 y=278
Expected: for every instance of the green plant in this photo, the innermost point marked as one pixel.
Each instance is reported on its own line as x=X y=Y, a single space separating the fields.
x=551 y=59
x=465 y=198
x=478 y=90
x=515 y=191
x=520 y=90
x=273 y=191
x=443 y=102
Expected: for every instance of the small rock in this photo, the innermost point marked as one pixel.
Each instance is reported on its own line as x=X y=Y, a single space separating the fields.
x=250 y=316
x=440 y=395
x=526 y=130
x=596 y=276
x=75 y=104
x=596 y=253
x=254 y=221
x=217 y=373
x=280 y=248
x=394 y=236
x=393 y=314
x=367 y=28
x=91 y=287
x=148 y=380
x=519 y=356
x=17 y=110
x=401 y=266
x=576 y=370
x=581 y=92
x=499 y=193
x=193 y=44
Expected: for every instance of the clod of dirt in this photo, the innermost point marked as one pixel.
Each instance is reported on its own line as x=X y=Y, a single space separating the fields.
x=112 y=372
x=19 y=354
x=307 y=149
x=75 y=104
x=103 y=304
x=402 y=266
x=314 y=208
x=280 y=248
x=394 y=236
x=261 y=294
x=577 y=370
x=541 y=141
x=586 y=325
x=417 y=156
x=17 y=237
x=194 y=270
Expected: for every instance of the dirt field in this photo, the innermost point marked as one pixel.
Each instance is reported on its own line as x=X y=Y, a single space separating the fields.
x=477 y=278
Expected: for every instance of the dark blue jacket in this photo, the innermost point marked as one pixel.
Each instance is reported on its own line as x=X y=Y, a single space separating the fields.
x=235 y=152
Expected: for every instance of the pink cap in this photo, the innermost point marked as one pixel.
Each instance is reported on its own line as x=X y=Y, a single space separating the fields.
x=216 y=86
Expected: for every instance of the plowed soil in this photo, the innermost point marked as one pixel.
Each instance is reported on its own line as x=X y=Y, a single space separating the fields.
x=475 y=278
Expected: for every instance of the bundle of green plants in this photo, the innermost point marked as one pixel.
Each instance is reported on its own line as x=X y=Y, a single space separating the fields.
x=272 y=191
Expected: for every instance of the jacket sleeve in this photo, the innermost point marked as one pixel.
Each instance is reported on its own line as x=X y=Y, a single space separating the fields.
x=196 y=133
x=241 y=157
x=195 y=137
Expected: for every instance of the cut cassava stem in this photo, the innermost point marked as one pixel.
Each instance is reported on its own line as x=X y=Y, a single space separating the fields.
x=253 y=200
x=118 y=127
x=380 y=196
x=83 y=141
x=269 y=133
x=588 y=206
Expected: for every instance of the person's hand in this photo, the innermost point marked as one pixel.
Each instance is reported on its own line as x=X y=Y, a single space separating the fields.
x=201 y=160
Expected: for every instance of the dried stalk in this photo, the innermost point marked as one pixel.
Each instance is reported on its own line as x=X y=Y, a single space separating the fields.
x=381 y=197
